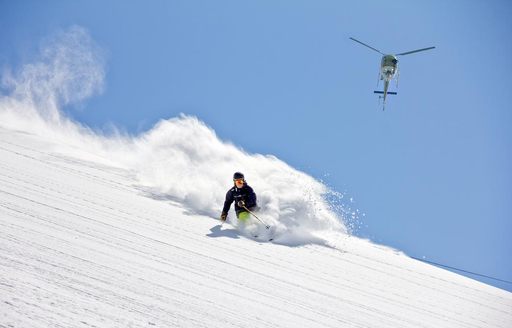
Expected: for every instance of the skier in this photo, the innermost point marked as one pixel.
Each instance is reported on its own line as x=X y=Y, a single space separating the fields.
x=243 y=196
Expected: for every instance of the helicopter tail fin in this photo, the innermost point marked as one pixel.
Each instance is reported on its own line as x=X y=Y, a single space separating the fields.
x=382 y=92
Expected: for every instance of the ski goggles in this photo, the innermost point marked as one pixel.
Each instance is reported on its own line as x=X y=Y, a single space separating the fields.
x=239 y=180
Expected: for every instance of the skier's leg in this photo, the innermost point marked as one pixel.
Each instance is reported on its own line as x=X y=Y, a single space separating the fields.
x=243 y=216
x=244 y=223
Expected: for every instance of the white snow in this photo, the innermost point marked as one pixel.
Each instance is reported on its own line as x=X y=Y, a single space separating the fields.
x=83 y=245
x=121 y=231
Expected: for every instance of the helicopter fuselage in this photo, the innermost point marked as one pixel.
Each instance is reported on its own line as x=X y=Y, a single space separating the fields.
x=388 y=67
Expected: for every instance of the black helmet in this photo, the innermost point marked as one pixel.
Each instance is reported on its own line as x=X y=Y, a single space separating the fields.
x=238 y=175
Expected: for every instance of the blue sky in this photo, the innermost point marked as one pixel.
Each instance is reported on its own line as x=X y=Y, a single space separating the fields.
x=431 y=175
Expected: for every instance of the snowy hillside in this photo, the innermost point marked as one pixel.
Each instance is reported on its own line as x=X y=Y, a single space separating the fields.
x=84 y=245
x=122 y=231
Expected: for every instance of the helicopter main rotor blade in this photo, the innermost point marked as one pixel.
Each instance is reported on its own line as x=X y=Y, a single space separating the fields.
x=411 y=52
x=364 y=44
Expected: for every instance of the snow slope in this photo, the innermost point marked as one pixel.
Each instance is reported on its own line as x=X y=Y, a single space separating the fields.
x=83 y=244
x=121 y=231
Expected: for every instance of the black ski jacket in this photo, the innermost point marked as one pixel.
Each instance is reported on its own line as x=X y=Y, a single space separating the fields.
x=237 y=194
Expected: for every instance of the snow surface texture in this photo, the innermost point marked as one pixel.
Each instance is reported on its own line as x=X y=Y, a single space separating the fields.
x=119 y=231
x=180 y=159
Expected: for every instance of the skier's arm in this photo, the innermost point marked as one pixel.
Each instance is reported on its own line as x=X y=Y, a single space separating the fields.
x=250 y=199
x=227 y=202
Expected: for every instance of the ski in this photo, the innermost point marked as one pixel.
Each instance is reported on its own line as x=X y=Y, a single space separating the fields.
x=270 y=235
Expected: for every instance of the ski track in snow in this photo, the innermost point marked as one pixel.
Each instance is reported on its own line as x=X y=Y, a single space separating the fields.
x=81 y=245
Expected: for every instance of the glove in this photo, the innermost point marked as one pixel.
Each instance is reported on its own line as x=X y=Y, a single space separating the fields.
x=223 y=216
x=241 y=203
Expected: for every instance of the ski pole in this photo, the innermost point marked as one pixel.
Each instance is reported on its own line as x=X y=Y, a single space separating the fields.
x=266 y=225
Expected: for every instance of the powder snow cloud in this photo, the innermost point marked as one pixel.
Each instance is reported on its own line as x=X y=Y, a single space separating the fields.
x=180 y=159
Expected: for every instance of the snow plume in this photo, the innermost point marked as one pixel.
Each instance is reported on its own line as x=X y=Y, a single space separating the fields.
x=180 y=159
x=184 y=160
x=70 y=69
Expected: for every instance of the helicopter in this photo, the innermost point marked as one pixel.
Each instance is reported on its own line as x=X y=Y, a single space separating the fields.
x=388 y=68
